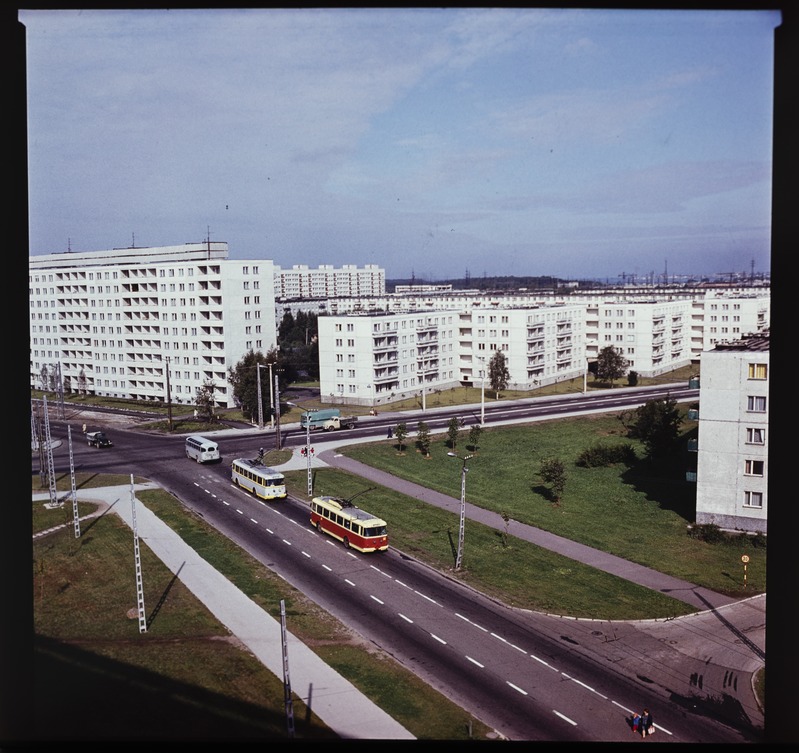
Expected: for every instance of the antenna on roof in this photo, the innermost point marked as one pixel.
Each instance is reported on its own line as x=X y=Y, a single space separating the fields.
x=208 y=240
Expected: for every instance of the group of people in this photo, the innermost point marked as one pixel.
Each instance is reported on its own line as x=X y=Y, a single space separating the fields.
x=643 y=724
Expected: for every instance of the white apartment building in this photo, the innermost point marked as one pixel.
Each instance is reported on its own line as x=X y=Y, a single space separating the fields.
x=134 y=322
x=656 y=331
x=732 y=447
x=718 y=318
x=654 y=336
x=301 y=282
x=373 y=359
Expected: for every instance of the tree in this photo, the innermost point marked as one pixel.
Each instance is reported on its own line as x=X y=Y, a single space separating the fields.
x=400 y=432
x=453 y=429
x=657 y=424
x=553 y=472
x=498 y=374
x=82 y=382
x=506 y=518
x=244 y=378
x=423 y=438
x=474 y=435
x=611 y=365
x=298 y=343
x=204 y=400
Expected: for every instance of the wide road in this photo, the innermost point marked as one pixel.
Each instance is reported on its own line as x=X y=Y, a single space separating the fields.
x=529 y=676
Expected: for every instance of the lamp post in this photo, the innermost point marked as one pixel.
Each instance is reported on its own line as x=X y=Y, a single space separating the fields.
x=459 y=557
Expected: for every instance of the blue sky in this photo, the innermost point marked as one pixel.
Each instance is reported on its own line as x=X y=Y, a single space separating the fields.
x=431 y=142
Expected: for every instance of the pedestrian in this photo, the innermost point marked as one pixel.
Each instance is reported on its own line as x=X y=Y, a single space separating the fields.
x=636 y=721
x=645 y=723
x=390 y=433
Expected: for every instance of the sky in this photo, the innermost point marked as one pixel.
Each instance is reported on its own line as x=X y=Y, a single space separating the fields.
x=435 y=143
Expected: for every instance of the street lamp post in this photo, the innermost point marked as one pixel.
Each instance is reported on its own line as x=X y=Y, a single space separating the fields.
x=461 y=531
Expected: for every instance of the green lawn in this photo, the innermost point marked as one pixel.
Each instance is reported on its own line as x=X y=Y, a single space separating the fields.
x=641 y=513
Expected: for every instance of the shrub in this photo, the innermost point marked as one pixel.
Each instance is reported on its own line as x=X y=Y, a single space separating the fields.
x=604 y=455
x=710 y=533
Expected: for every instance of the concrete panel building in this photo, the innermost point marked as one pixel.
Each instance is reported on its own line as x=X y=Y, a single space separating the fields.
x=132 y=322
x=373 y=359
x=302 y=282
x=732 y=460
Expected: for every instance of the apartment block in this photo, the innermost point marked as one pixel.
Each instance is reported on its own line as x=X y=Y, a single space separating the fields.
x=301 y=282
x=732 y=447
x=371 y=359
x=141 y=323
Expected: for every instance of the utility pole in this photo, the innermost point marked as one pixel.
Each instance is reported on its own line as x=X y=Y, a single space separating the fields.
x=483 y=393
x=271 y=397
x=308 y=452
x=168 y=395
x=277 y=414
x=258 y=367
x=137 y=559
x=462 y=526
x=289 y=705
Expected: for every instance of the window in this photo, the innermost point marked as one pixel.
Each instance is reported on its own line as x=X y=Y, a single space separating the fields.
x=755 y=436
x=756 y=404
x=754 y=467
x=758 y=371
x=753 y=499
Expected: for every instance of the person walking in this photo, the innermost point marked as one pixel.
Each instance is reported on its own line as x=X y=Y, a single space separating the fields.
x=390 y=433
x=645 y=723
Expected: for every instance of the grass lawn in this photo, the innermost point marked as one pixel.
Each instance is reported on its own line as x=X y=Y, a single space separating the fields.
x=641 y=513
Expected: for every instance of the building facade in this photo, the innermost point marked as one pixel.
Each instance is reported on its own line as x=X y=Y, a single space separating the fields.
x=376 y=358
x=144 y=323
x=301 y=282
x=732 y=447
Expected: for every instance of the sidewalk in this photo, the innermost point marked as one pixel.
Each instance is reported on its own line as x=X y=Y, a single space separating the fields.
x=327 y=693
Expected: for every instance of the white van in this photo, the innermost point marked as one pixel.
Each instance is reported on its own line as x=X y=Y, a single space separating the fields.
x=201 y=449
